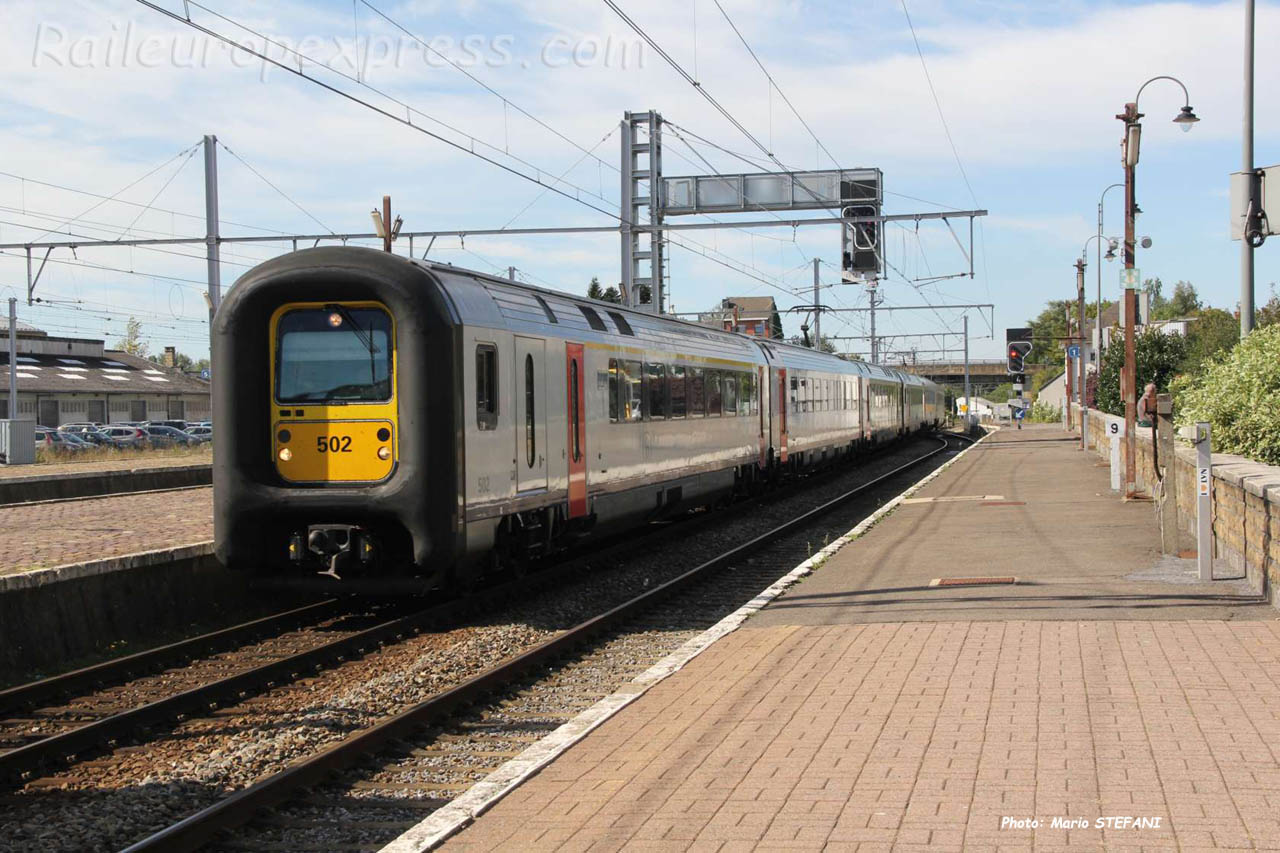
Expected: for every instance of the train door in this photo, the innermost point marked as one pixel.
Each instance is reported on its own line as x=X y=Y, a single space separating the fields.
x=575 y=373
x=761 y=390
x=780 y=411
x=531 y=413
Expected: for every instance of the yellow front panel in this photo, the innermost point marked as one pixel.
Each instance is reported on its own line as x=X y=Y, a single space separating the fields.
x=320 y=441
x=334 y=451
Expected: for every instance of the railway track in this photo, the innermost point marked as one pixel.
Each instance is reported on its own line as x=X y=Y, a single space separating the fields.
x=434 y=749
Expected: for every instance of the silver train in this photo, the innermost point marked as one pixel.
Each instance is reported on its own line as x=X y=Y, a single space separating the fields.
x=426 y=420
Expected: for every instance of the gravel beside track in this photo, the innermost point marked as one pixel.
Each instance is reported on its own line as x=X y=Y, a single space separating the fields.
x=115 y=800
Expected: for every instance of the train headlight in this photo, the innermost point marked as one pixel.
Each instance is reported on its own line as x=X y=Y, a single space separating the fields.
x=384 y=453
x=335 y=319
x=285 y=454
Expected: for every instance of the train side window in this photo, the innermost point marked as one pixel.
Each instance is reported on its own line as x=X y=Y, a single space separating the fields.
x=614 y=380
x=748 y=395
x=593 y=319
x=630 y=399
x=622 y=324
x=715 y=398
x=697 y=392
x=486 y=387
x=530 y=436
x=730 y=393
x=679 y=392
x=546 y=309
x=575 y=417
x=795 y=394
x=655 y=376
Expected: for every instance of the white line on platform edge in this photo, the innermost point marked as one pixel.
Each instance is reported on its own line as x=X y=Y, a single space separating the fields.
x=483 y=795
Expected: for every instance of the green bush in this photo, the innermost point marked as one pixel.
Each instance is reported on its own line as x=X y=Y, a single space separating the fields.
x=1043 y=413
x=1238 y=393
x=1159 y=357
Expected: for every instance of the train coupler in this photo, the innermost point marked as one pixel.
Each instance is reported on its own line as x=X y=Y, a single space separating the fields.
x=338 y=545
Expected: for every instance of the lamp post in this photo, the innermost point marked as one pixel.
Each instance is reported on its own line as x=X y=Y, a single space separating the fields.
x=1129 y=156
x=1111 y=256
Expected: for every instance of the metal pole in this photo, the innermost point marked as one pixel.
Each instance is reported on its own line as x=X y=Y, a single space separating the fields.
x=817 y=309
x=1129 y=385
x=875 y=350
x=1246 y=250
x=386 y=223
x=211 y=222
x=13 y=359
x=626 y=212
x=511 y=273
x=968 y=391
x=1080 y=383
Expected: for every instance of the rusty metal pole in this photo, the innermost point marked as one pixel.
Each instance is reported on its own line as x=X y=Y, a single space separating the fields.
x=1129 y=383
x=386 y=223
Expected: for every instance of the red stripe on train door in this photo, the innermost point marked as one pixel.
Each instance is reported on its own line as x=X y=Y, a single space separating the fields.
x=575 y=392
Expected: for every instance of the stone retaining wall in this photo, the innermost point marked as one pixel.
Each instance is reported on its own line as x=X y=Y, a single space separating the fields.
x=1246 y=501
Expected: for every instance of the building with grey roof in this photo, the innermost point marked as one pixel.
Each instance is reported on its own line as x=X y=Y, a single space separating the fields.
x=66 y=380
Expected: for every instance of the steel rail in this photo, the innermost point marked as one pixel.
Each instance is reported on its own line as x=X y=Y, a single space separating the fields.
x=236 y=809
x=65 y=746
x=149 y=660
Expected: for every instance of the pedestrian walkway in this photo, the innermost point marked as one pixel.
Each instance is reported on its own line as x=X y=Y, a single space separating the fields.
x=1102 y=700
x=58 y=533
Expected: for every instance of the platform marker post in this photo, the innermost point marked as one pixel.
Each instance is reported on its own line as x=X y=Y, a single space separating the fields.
x=1115 y=430
x=1204 y=501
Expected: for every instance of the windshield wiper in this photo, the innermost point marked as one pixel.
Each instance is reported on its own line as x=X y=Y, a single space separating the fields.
x=365 y=338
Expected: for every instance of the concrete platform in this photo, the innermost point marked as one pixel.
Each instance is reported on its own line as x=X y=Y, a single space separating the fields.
x=131 y=473
x=81 y=576
x=868 y=709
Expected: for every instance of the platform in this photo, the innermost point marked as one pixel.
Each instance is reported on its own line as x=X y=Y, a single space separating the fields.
x=1104 y=699
x=130 y=472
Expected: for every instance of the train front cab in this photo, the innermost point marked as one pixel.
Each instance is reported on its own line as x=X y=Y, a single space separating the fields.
x=333 y=390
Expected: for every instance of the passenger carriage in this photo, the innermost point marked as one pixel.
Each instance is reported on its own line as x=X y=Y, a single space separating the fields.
x=386 y=415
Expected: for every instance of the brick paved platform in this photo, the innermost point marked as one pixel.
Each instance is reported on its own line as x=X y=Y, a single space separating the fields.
x=126 y=462
x=43 y=535
x=866 y=709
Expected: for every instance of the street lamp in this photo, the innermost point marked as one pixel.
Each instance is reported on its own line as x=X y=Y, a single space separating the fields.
x=1129 y=157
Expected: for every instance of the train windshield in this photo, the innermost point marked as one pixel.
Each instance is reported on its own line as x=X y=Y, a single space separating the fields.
x=333 y=354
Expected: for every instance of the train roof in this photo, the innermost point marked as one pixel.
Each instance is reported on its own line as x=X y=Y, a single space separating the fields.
x=483 y=298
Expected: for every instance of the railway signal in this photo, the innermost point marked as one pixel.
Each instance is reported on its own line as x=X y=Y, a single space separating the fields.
x=1018 y=351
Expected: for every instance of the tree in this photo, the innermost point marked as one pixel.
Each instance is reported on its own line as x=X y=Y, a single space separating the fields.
x=1213 y=333
x=594 y=290
x=1158 y=356
x=1239 y=396
x=1269 y=313
x=132 y=342
x=1185 y=302
x=1157 y=305
x=182 y=361
x=1048 y=330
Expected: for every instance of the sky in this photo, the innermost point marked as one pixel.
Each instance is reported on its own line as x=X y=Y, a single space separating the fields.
x=1006 y=106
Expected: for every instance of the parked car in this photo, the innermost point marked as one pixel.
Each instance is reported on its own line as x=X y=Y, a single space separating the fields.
x=94 y=437
x=84 y=426
x=125 y=435
x=176 y=424
x=167 y=436
x=58 y=442
x=201 y=433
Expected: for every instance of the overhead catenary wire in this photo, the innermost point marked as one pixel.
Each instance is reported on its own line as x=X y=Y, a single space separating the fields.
x=282 y=193
x=131 y=185
x=406 y=120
